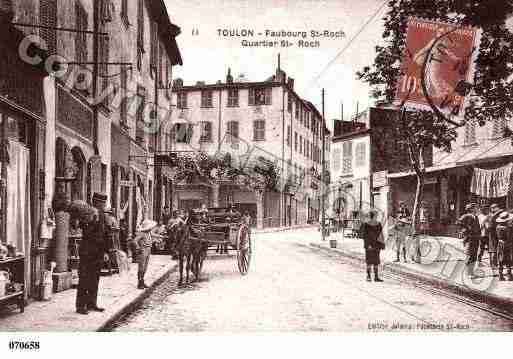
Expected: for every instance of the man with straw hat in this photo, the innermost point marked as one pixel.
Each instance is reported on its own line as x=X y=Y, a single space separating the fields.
x=143 y=242
x=471 y=231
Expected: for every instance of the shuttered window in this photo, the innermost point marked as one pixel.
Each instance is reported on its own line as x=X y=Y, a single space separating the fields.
x=259 y=130
x=347 y=157
x=81 y=24
x=359 y=158
x=181 y=100
x=182 y=132
x=48 y=18
x=206 y=98
x=233 y=97
x=260 y=96
x=336 y=159
x=104 y=43
x=233 y=132
x=123 y=106
x=206 y=131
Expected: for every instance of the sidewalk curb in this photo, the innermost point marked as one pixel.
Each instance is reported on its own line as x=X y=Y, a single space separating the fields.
x=438 y=283
x=129 y=307
x=281 y=229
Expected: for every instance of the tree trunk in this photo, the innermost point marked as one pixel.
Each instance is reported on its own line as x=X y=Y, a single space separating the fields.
x=416 y=205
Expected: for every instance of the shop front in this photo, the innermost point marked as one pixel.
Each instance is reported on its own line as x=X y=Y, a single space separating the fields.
x=22 y=146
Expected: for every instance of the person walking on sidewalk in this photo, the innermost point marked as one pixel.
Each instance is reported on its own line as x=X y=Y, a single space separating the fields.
x=93 y=253
x=143 y=242
x=495 y=211
x=401 y=230
x=371 y=232
x=483 y=240
x=470 y=233
x=504 y=244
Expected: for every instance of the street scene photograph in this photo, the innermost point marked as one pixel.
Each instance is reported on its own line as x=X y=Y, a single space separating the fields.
x=270 y=166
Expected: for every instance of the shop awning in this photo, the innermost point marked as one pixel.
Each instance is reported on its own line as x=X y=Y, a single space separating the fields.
x=490 y=151
x=491 y=183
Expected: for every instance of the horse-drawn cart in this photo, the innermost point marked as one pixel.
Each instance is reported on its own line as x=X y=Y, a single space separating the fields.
x=222 y=227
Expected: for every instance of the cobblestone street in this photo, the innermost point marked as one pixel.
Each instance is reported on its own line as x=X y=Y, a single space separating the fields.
x=292 y=287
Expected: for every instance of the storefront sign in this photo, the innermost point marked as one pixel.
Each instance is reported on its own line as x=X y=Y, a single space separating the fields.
x=74 y=114
x=447 y=69
x=379 y=179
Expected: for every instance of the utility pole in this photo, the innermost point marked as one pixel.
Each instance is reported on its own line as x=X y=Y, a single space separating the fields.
x=323 y=170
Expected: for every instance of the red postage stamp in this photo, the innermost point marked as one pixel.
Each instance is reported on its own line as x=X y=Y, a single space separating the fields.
x=442 y=55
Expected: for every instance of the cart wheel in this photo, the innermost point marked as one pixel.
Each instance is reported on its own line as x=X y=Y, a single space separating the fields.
x=243 y=249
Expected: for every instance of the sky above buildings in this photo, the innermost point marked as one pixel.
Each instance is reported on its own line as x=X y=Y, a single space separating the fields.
x=207 y=55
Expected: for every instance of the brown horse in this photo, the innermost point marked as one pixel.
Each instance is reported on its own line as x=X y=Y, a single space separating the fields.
x=180 y=246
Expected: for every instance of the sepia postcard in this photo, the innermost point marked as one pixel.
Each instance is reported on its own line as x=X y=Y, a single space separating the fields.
x=271 y=166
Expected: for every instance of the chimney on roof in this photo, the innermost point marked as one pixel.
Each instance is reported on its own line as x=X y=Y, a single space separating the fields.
x=229 y=77
x=178 y=82
x=281 y=76
x=290 y=83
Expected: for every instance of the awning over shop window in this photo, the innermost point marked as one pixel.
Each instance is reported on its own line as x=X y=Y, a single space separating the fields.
x=491 y=183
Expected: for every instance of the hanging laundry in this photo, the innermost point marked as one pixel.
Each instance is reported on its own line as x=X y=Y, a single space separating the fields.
x=491 y=183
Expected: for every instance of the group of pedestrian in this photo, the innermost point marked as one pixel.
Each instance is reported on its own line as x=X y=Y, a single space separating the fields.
x=491 y=231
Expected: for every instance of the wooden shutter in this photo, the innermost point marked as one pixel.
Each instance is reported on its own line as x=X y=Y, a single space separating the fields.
x=251 y=99
x=268 y=95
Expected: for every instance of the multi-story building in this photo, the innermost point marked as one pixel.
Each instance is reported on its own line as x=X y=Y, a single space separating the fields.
x=365 y=154
x=264 y=119
x=92 y=125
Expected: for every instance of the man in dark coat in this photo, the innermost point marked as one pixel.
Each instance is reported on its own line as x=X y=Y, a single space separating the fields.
x=371 y=233
x=495 y=212
x=471 y=230
x=93 y=250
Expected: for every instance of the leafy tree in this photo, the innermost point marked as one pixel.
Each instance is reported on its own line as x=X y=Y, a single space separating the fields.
x=490 y=93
